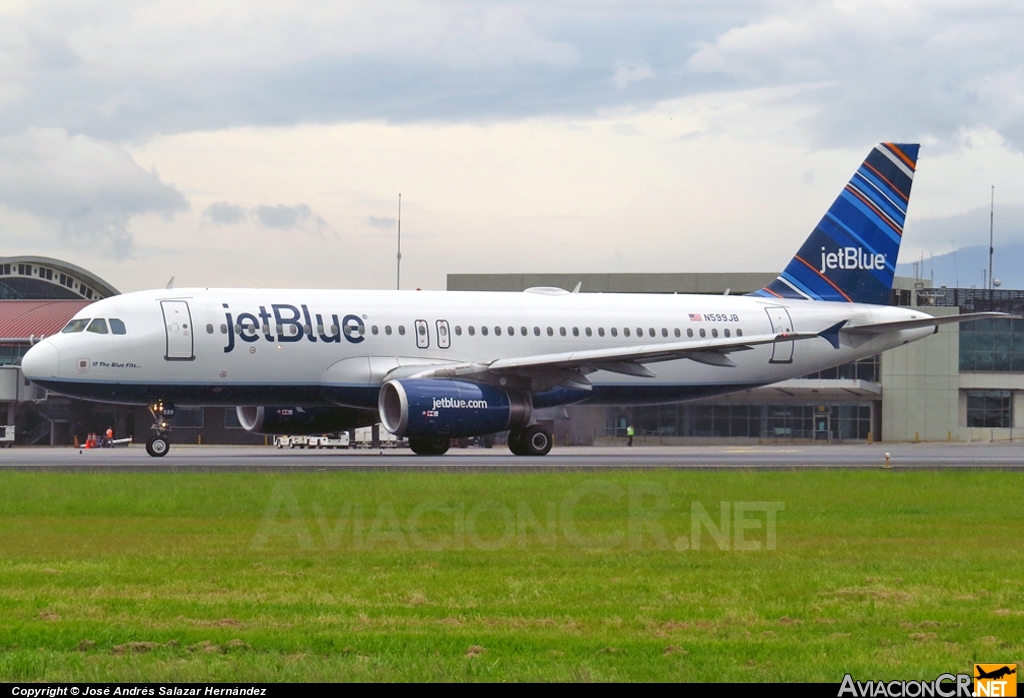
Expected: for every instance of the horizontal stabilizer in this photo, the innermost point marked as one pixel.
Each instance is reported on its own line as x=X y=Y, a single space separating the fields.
x=930 y=321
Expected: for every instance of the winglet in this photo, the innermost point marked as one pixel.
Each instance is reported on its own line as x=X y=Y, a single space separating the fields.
x=832 y=334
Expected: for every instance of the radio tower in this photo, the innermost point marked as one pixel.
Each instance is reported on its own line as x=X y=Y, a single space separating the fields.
x=398 y=272
x=991 y=222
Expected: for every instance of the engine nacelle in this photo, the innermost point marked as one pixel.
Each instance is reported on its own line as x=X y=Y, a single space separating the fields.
x=286 y=419
x=433 y=407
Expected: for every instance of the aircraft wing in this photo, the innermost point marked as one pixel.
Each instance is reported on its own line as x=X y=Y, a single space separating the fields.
x=930 y=321
x=569 y=369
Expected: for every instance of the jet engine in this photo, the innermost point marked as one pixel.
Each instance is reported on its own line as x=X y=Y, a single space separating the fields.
x=433 y=407
x=291 y=420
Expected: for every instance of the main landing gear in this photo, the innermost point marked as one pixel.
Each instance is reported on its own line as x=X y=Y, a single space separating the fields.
x=160 y=443
x=531 y=441
x=429 y=445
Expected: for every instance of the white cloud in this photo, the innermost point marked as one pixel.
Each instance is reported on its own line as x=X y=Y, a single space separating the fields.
x=89 y=189
x=630 y=71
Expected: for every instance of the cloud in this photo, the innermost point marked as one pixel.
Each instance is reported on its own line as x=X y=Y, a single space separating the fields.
x=88 y=189
x=277 y=217
x=627 y=72
x=381 y=222
x=879 y=71
x=223 y=213
x=125 y=72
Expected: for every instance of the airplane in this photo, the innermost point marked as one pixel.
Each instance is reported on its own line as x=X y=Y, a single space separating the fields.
x=431 y=365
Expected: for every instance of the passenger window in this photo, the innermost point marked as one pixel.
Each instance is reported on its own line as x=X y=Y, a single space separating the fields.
x=561 y=331
x=714 y=332
x=483 y=330
x=600 y=332
x=615 y=332
x=511 y=331
x=387 y=329
x=113 y=327
x=639 y=331
x=677 y=332
x=575 y=331
x=625 y=331
x=589 y=333
x=551 y=332
x=458 y=331
x=689 y=333
x=224 y=328
x=373 y=329
x=422 y=330
x=739 y=333
x=471 y=330
x=117 y=327
x=726 y=332
x=497 y=331
x=702 y=334
x=536 y=332
x=522 y=331
x=401 y=330
x=652 y=332
x=75 y=326
x=97 y=326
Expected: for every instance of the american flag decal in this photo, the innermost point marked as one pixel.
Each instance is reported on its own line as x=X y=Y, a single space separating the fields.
x=695 y=317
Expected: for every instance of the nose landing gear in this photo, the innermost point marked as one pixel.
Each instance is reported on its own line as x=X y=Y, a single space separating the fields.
x=160 y=443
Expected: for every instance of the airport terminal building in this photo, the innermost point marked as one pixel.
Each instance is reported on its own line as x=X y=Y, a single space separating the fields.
x=965 y=383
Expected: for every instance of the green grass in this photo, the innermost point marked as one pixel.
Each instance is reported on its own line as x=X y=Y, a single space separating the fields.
x=249 y=576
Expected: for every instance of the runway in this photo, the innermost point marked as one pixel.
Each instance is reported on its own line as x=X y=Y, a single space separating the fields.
x=227 y=458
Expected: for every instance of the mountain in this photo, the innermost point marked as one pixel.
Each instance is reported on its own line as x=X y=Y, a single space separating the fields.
x=963 y=267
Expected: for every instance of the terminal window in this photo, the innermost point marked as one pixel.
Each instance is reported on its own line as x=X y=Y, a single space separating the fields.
x=990 y=408
x=992 y=345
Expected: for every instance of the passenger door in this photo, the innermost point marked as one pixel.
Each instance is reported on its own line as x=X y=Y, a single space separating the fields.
x=179 y=330
x=782 y=352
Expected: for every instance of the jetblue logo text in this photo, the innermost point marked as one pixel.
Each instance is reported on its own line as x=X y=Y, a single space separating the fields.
x=851 y=258
x=453 y=403
x=286 y=323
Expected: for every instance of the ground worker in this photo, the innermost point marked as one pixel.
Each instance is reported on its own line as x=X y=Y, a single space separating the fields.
x=630 y=433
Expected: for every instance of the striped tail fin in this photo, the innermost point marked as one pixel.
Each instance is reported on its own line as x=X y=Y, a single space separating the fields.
x=851 y=255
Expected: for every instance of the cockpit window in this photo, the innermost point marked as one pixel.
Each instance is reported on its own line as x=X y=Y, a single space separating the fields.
x=117 y=326
x=99 y=326
x=75 y=325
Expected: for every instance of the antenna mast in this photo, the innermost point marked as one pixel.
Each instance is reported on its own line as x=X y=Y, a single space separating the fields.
x=991 y=222
x=398 y=271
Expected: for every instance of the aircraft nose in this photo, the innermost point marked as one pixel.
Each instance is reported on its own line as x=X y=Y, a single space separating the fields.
x=41 y=361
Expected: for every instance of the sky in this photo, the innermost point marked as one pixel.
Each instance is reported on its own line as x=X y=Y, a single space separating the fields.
x=266 y=143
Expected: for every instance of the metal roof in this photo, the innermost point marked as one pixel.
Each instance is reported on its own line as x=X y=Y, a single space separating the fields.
x=22 y=321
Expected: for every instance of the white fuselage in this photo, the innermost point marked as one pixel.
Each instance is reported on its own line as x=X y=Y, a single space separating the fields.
x=261 y=346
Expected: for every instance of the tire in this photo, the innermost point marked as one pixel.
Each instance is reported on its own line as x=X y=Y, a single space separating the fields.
x=158 y=446
x=537 y=441
x=429 y=445
x=516 y=442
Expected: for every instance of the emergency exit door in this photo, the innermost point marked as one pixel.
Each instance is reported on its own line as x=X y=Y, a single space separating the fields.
x=782 y=352
x=178 y=326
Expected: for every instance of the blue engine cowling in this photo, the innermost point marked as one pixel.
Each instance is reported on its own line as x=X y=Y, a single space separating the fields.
x=433 y=407
x=292 y=420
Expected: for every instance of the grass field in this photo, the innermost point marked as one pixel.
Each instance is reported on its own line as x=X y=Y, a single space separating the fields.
x=366 y=575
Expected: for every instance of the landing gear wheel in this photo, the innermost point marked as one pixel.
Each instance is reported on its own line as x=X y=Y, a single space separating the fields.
x=516 y=443
x=429 y=445
x=532 y=441
x=157 y=446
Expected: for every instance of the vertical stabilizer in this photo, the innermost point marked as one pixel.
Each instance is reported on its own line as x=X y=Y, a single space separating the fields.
x=851 y=255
